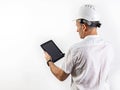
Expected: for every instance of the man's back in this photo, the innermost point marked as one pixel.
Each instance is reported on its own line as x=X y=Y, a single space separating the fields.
x=91 y=58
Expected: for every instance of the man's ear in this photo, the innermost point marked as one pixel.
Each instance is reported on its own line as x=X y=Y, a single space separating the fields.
x=84 y=27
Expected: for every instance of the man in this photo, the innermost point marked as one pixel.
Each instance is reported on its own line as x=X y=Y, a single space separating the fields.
x=88 y=61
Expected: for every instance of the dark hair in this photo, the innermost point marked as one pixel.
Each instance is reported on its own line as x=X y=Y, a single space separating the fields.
x=90 y=23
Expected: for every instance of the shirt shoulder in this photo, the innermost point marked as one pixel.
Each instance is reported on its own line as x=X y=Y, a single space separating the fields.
x=76 y=46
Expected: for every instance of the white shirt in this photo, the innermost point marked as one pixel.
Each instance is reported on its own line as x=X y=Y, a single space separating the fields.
x=88 y=62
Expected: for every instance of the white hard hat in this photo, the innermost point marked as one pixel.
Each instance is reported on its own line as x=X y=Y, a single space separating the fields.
x=88 y=12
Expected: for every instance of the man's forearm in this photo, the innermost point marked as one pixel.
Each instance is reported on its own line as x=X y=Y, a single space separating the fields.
x=58 y=73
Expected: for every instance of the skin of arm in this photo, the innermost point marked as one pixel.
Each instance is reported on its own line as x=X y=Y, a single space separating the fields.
x=57 y=72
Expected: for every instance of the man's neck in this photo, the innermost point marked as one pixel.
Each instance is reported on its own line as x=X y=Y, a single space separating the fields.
x=92 y=31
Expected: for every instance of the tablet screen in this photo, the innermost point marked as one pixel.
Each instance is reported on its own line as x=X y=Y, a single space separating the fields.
x=52 y=49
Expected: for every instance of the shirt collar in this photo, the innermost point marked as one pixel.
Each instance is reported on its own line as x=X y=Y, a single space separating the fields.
x=91 y=36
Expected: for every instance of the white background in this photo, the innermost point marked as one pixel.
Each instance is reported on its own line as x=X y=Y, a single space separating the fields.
x=25 y=24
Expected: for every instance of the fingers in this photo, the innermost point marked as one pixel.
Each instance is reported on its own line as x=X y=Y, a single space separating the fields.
x=45 y=52
x=47 y=56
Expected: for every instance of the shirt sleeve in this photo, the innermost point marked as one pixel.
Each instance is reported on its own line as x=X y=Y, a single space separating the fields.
x=68 y=63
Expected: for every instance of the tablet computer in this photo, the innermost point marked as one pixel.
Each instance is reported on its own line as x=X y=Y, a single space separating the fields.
x=52 y=49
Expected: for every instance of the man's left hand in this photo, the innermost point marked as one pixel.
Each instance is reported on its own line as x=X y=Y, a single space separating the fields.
x=47 y=56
